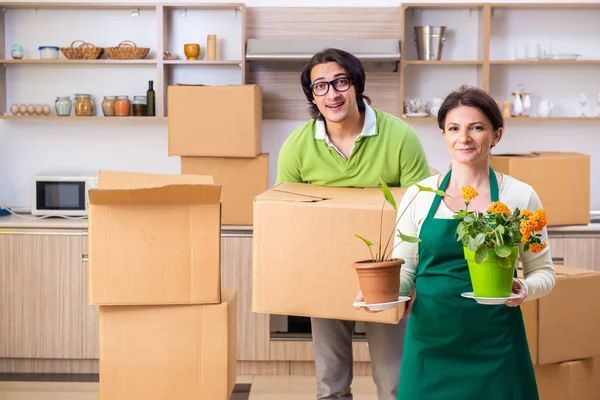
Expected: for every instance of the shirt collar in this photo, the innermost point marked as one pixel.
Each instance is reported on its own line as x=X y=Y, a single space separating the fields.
x=369 y=126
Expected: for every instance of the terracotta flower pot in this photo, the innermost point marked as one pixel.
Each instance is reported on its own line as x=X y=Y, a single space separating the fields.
x=379 y=281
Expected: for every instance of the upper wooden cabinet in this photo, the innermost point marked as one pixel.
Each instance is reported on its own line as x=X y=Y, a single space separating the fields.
x=41 y=297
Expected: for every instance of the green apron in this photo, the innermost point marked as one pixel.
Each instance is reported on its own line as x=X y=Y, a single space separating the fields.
x=455 y=348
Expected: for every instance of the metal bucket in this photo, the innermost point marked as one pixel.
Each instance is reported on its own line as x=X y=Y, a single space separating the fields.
x=429 y=41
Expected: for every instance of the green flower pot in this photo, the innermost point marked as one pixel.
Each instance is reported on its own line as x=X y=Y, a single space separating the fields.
x=488 y=278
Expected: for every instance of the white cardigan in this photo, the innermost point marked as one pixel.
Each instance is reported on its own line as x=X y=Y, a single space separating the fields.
x=538 y=268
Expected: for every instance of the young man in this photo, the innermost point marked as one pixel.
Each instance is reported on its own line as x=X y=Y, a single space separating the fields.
x=347 y=143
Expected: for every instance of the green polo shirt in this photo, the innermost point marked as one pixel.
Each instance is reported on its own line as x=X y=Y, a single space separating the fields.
x=392 y=151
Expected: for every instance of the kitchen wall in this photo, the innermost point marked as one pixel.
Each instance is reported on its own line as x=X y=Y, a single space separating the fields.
x=31 y=147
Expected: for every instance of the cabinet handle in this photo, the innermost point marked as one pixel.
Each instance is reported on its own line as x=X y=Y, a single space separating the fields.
x=85 y=258
x=558 y=260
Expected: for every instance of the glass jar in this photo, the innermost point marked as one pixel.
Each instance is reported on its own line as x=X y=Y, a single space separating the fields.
x=48 y=52
x=63 y=106
x=139 y=106
x=17 y=52
x=108 y=106
x=83 y=105
x=122 y=106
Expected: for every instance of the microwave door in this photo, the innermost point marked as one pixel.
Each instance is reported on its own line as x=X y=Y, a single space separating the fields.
x=60 y=198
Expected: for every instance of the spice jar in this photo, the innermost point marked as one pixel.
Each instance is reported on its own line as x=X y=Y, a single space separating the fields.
x=122 y=106
x=139 y=106
x=17 y=52
x=83 y=105
x=108 y=106
x=63 y=106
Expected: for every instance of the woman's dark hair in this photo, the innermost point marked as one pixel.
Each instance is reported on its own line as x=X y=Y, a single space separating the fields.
x=349 y=63
x=471 y=97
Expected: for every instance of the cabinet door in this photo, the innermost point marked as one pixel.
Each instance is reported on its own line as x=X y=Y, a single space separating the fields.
x=236 y=272
x=40 y=296
x=90 y=314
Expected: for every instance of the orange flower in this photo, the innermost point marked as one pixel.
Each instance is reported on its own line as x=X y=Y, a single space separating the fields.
x=526 y=213
x=469 y=193
x=536 y=247
x=526 y=228
x=538 y=220
x=498 y=207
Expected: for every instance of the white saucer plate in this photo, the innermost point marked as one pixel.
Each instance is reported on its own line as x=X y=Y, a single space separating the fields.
x=381 y=306
x=489 y=301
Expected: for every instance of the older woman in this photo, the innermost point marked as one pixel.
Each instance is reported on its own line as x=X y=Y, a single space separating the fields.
x=455 y=348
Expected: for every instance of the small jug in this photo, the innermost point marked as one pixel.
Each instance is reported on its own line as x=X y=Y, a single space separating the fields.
x=545 y=108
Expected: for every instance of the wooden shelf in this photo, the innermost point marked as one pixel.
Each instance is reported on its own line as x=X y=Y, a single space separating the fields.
x=66 y=61
x=544 y=62
x=412 y=119
x=73 y=118
x=552 y=119
x=442 y=62
x=203 y=62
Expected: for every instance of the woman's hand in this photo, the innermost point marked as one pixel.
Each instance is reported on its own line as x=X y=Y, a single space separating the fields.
x=518 y=288
x=413 y=295
x=359 y=297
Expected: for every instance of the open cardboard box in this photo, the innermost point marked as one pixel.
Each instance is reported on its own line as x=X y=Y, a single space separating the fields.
x=304 y=247
x=154 y=239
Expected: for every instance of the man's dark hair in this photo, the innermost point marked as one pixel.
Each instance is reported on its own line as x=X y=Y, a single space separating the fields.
x=349 y=63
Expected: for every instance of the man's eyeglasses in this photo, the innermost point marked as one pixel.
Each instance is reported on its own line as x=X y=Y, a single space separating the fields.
x=322 y=88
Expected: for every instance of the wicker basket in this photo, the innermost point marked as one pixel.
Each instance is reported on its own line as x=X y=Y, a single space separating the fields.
x=127 y=50
x=84 y=51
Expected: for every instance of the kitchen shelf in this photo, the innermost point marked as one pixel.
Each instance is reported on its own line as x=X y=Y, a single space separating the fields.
x=159 y=26
x=412 y=119
x=73 y=118
x=544 y=62
x=66 y=61
x=203 y=62
x=442 y=62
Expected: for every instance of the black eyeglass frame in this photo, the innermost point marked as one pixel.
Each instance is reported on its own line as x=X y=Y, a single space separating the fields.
x=330 y=84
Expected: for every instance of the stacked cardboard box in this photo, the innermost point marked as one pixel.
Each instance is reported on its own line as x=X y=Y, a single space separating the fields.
x=562 y=330
x=167 y=328
x=561 y=180
x=217 y=131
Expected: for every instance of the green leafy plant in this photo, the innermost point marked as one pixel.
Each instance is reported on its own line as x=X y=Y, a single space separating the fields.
x=383 y=252
x=498 y=229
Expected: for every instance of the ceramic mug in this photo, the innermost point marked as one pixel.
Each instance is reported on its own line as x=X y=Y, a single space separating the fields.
x=192 y=51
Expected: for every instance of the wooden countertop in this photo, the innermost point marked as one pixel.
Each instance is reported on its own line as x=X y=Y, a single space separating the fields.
x=25 y=221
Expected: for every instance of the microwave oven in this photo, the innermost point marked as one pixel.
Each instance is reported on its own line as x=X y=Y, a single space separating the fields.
x=61 y=195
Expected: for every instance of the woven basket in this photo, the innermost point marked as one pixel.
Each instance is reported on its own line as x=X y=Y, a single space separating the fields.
x=127 y=50
x=84 y=51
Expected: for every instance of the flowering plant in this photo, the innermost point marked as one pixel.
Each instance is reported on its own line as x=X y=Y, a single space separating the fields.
x=498 y=229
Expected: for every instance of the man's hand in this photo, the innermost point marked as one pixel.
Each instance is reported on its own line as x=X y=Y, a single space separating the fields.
x=518 y=288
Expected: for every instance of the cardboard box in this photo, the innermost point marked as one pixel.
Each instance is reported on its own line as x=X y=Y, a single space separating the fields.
x=183 y=352
x=561 y=180
x=572 y=380
x=304 y=247
x=215 y=121
x=154 y=239
x=565 y=324
x=241 y=179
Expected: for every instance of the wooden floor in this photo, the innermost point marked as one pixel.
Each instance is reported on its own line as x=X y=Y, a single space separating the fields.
x=261 y=388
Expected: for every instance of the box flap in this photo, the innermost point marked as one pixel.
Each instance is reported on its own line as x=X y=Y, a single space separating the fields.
x=139 y=180
x=171 y=194
x=572 y=271
x=306 y=193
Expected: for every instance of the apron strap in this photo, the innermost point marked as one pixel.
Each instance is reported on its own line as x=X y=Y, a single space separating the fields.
x=494 y=190
x=438 y=198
